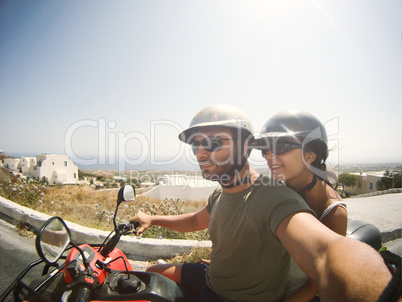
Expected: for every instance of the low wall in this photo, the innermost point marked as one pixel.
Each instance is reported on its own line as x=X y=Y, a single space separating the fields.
x=389 y=191
x=184 y=192
x=135 y=248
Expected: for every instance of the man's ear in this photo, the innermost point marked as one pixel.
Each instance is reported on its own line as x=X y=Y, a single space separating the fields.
x=246 y=146
x=309 y=157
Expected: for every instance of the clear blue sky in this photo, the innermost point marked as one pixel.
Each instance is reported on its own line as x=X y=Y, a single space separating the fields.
x=114 y=75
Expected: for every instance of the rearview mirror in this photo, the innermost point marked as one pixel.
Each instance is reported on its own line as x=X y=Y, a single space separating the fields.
x=126 y=193
x=52 y=240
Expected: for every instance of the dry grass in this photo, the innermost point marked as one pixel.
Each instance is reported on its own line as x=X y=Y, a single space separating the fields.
x=197 y=255
x=77 y=204
x=24 y=230
x=94 y=208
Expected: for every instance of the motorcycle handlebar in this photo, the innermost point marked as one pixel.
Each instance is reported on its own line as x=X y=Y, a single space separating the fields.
x=128 y=227
x=136 y=224
x=121 y=229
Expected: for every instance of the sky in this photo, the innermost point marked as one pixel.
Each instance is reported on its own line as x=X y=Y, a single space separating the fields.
x=115 y=82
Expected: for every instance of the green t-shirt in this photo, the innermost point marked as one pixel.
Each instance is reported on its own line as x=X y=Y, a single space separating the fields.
x=248 y=262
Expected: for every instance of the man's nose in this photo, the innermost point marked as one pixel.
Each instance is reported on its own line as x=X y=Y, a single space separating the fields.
x=202 y=153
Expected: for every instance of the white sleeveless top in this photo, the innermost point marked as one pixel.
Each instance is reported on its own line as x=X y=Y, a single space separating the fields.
x=297 y=277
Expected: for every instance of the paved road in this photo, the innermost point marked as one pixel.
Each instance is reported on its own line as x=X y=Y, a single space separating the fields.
x=16 y=252
x=382 y=211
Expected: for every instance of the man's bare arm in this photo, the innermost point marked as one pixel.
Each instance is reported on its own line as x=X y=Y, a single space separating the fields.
x=189 y=222
x=344 y=269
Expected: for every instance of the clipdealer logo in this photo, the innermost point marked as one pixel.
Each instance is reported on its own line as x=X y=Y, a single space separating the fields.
x=112 y=145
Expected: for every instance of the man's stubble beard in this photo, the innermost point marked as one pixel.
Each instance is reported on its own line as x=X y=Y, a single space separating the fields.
x=223 y=170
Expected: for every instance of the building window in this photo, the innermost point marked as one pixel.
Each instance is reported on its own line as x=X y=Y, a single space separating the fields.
x=371 y=185
x=75 y=175
x=65 y=163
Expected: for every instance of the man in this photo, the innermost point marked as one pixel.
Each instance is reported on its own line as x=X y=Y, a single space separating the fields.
x=254 y=224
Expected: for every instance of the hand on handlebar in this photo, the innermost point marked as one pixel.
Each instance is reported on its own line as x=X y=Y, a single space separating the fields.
x=144 y=220
x=128 y=227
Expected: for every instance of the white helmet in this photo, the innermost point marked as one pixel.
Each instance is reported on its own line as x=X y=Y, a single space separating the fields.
x=228 y=117
x=218 y=116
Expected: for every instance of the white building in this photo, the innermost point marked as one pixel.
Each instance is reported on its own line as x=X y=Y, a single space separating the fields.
x=56 y=168
x=11 y=163
x=191 y=188
x=25 y=164
x=366 y=183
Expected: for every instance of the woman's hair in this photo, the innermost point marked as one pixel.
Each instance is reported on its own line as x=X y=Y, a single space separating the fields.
x=320 y=149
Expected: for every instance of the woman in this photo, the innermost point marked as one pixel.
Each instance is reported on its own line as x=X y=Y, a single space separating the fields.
x=294 y=144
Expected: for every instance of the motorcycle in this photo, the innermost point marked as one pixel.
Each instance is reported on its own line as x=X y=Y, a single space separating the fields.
x=101 y=272
x=90 y=272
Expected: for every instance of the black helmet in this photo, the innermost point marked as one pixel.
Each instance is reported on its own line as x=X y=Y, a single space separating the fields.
x=295 y=125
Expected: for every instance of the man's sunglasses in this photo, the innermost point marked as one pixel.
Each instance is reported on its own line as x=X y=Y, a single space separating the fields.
x=279 y=147
x=210 y=144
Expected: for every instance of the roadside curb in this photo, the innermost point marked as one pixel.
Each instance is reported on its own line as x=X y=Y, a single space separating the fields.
x=136 y=248
x=389 y=191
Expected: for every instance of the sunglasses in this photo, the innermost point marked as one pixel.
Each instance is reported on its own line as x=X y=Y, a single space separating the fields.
x=279 y=147
x=210 y=144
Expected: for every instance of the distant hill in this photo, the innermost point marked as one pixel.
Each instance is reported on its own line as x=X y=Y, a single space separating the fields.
x=370 y=167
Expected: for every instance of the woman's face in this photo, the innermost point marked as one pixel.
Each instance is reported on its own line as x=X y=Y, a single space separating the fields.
x=288 y=165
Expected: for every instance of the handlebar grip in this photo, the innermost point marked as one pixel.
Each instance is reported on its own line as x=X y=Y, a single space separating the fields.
x=136 y=224
x=82 y=294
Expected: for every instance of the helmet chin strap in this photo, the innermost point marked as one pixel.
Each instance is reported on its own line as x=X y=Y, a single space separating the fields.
x=234 y=171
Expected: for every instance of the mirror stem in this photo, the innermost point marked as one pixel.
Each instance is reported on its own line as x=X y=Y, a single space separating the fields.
x=114 y=217
x=84 y=259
